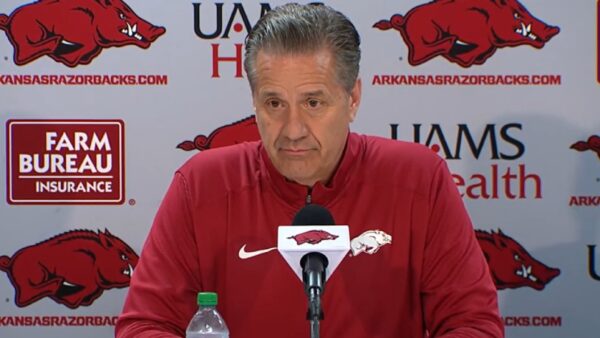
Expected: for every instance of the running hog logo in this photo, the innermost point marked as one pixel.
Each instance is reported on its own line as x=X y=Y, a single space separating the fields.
x=467 y=32
x=369 y=242
x=244 y=130
x=74 y=32
x=313 y=237
x=592 y=143
x=72 y=268
x=511 y=266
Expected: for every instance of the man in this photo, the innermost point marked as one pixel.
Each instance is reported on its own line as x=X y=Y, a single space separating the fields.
x=217 y=226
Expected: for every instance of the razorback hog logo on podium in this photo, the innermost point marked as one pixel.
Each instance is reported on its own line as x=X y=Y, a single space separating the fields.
x=313 y=237
x=511 y=266
x=467 y=32
x=592 y=143
x=73 y=32
x=72 y=268
x=244 y=130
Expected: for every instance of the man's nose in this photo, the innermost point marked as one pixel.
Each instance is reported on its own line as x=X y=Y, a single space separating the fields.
x=295 y=125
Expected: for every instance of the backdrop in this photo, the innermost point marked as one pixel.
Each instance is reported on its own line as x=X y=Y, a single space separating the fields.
x=101 y=101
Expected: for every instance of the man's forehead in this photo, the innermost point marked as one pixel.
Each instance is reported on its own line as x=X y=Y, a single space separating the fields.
x=313 y=67
x=266 y=57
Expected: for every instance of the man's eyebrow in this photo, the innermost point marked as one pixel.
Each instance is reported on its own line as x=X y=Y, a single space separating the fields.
x=318 y=92
x=268 y=93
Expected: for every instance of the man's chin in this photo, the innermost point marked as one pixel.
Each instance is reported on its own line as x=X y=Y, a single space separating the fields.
x=299 y=177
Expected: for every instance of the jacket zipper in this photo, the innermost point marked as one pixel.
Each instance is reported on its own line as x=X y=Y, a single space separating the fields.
x=309 y=196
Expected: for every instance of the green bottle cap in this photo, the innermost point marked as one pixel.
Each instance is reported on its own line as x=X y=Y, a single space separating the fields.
x=207 y=298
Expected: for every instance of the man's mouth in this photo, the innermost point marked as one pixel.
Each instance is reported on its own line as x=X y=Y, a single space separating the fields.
x=295 y=151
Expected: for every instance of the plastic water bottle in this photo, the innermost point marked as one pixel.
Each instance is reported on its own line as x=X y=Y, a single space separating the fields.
x=207 y=322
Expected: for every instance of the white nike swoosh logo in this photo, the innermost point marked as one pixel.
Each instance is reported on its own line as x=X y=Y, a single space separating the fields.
x=249 y=254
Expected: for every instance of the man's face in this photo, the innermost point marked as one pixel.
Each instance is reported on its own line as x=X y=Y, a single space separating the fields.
x=303 y=113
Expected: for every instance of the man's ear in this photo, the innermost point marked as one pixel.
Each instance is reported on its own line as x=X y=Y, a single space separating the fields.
x=355 y=96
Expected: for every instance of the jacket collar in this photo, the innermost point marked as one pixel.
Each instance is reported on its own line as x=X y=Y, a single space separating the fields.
x=296 y=194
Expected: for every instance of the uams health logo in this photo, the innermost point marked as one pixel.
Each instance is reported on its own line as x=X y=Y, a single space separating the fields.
x=593 y=272
x=65 y=162
x=499 y=144
x=73 y=268
x=467 y=32
x=74 y=32
x=225 y=24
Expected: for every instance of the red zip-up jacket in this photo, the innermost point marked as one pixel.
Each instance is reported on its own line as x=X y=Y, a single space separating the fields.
x=416 y=269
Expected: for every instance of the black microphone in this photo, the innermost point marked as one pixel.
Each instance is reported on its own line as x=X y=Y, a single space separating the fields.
x=313 y=214
x=313 y=247
x=314 y=264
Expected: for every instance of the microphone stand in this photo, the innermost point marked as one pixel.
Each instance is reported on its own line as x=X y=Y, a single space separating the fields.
x=314 y=265
x=315 y=313
x=314 y=328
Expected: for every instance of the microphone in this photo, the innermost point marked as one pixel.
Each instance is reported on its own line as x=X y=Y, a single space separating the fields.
x=313 y=214
x=314 y=248
x=314 y=263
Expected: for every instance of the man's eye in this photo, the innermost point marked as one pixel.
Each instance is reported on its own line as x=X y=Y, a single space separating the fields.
x=273 y=104
x=312 y=103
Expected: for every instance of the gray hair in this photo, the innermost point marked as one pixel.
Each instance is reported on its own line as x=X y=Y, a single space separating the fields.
x=302 y=29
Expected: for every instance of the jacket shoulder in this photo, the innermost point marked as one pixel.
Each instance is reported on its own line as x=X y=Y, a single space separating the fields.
x=404 y=164
x=224 y=169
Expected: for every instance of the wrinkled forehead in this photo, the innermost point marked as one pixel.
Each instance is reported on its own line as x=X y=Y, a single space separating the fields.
x=303 y=51
x=322 y=59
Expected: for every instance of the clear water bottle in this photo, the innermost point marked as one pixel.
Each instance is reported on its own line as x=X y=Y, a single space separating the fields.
x=207 y=322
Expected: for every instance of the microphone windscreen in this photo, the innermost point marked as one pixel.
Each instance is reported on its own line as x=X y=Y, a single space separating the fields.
x=313 y=214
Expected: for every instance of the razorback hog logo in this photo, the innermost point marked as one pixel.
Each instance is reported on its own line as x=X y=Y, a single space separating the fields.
x=244 y=130
x=369 y=242
x=73 y=32
x=72 y=268
x=467 y=32
x=592 y=143
x=313 y=237
x=511 y=266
